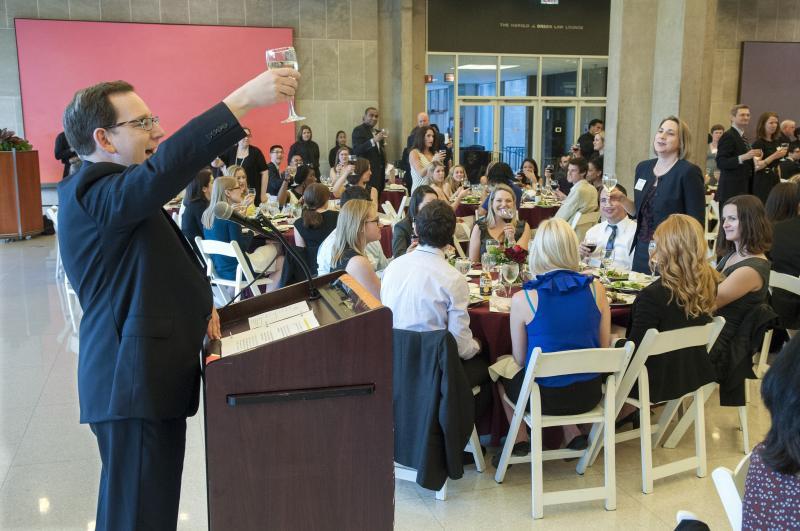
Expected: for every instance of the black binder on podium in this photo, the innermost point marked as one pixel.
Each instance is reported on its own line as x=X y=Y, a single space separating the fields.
x=299 y=430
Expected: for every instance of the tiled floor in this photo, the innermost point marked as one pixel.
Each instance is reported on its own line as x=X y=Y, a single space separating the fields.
x=49 y=466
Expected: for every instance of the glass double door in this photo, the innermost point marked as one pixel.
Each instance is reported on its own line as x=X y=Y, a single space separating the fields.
x=511 y=131
x=498 y=131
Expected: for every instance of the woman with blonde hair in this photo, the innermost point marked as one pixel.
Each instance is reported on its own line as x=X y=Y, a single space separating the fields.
x=668 y=184
x=599 y=143
x=560 y=309
x=684 y=295
x=266 y=257
x=239 y=173
x=358 y=224
x=340 y=171
x=501 y=223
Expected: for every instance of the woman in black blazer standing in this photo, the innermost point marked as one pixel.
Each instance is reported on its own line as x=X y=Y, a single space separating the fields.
x=684 y=295
x=668 y=184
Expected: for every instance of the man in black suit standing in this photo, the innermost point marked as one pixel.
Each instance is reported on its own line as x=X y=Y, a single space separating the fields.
x=735 y=157
x=586 y=140
x=369 y=142
x=147 y=303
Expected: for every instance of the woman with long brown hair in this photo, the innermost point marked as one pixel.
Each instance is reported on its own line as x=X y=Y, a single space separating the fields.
x=766 y=176
x=316 y=223
x=684 y=295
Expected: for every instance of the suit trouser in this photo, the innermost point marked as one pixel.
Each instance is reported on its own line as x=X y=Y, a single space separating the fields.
x=140 y=481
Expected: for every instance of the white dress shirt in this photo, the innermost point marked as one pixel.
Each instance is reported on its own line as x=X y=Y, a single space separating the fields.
x=373 y=250
x=621 y=257
x=582 y=198
x=425 y=293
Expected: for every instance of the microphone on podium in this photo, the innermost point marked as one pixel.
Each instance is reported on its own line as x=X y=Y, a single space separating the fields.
x=263 y=226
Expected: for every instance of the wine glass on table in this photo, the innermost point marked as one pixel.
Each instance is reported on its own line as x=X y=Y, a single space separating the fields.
x=509 y=273
x=463 y=265
x=285 y=58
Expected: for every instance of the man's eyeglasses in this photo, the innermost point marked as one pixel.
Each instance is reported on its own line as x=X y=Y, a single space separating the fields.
x=145 y=124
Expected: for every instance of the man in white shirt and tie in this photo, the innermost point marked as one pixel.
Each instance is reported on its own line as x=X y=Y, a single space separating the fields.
x=614 y=236
x=426 y=293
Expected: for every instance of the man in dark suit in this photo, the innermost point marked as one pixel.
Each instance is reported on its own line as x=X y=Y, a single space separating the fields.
x=586 y=140
x=735 y=157
x=369 y=142
x=791 y=166
x=147 y=303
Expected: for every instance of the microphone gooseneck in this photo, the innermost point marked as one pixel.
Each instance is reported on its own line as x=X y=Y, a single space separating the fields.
x=262 y=225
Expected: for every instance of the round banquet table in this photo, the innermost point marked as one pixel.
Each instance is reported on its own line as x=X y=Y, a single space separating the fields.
x=493 y=330
x=465 y=210
x=537 y=214
x=395 y=197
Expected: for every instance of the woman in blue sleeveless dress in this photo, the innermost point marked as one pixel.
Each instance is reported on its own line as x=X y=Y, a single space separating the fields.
x=561 y=309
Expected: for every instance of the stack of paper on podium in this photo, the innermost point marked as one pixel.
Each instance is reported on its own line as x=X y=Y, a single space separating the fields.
x=271 y=326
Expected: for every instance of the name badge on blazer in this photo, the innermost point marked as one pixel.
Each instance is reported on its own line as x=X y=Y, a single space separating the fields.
x=640 y=184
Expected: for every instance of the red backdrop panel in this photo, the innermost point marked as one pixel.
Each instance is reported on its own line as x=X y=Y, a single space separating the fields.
x=179 y=70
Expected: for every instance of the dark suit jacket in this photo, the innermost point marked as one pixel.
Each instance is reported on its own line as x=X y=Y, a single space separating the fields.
x=434 y=410
x=586 y=143
x=680 y=191
x=734 y=178
x=785 y=258
x=362 y=146
x=145 y=296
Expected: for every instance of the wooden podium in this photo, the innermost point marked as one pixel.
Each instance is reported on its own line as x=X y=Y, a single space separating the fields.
x=20 y=194
x=299 y=432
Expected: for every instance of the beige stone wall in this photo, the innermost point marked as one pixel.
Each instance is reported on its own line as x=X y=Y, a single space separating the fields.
x=336 y=41
x=746 y=20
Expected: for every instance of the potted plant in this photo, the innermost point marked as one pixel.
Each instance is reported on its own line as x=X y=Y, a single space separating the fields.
x=21 y=201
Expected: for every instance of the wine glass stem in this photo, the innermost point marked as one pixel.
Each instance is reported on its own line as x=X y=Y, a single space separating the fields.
x=291 y=108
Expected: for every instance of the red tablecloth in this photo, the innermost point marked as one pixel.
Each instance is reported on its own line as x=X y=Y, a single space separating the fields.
x=464 y=210
x=535 y=215
x=493 y=330
x=395 y=197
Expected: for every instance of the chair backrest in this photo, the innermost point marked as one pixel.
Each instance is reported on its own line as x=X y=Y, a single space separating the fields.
x=603 y=360
x=389 y=209
x=730 y=488
x=656 y=343
x=402 y=207
x=780 y=280
x=230 y=249
x=52 y=215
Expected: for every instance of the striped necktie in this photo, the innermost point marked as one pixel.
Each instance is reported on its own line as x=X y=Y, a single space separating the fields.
x=610 y=242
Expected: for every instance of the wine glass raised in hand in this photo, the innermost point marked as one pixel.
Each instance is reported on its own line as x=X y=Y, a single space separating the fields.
x=609 y=182
x=285 y=58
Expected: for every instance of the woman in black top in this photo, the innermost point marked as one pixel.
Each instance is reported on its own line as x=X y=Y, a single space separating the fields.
x=358 y=225
x=195 y=201
x=250 y=158
x=316 y=223
x=306 y=148
x=766 y=176
x=403 y=231
x=341 y=142
x=683 y=296
x=745 y=237
x=668 y=184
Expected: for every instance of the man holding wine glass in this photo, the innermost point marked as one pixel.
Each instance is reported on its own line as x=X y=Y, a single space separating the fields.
x=611 y=239
x=582 y=197
x=146 y=300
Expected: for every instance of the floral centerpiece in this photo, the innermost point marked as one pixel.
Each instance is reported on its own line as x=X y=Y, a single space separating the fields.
x=9 y=141
x=504 y=255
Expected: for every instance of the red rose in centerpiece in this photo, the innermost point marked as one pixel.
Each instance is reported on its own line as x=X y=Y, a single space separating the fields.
x=517 y=254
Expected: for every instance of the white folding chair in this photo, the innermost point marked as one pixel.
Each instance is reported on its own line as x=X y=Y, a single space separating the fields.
x=402 y=208
x=70 y=297
x=460 y=236
x=601 y=360
x=656 y=343
x=244 y=275
x=405 y=473
x=785 y=282
x=582 y=222
x=389 y=209
x=730 y=487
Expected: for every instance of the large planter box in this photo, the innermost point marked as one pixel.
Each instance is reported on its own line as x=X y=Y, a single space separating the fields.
x=20 y=194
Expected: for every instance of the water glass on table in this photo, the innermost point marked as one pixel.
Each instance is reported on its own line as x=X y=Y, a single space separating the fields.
x=463 y=265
